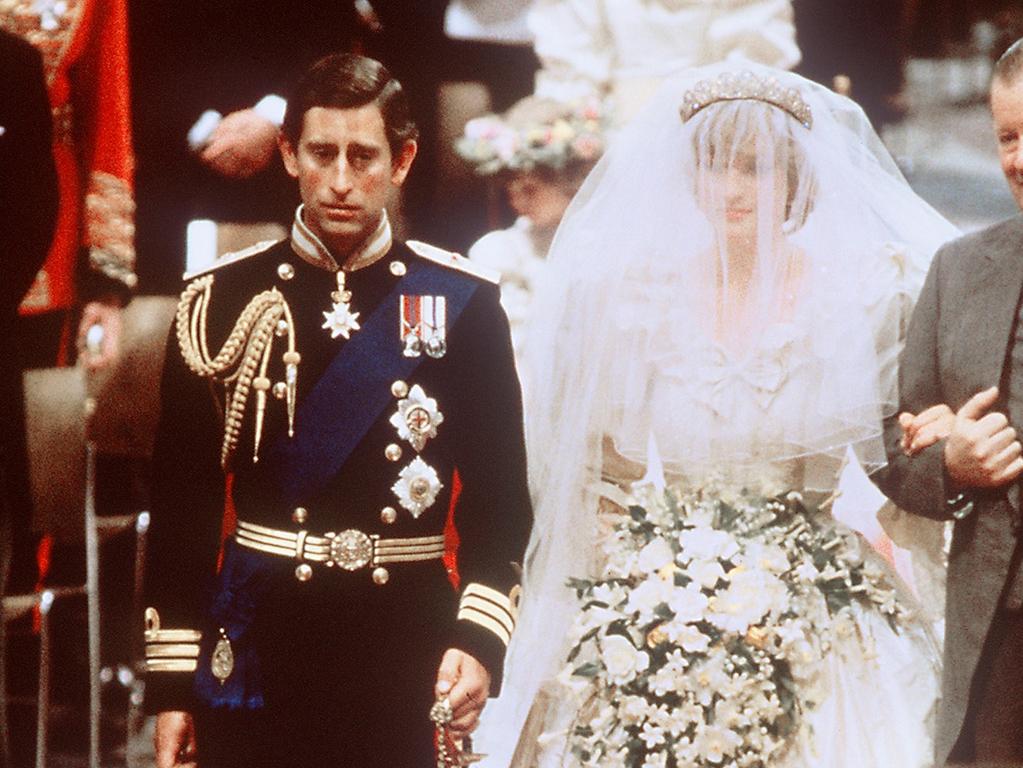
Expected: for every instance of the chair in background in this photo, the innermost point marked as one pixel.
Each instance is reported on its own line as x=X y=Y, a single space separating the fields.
x=126 y=411
x=70 y=417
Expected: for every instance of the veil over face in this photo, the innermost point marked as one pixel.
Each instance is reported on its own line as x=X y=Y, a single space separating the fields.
x=729 y=286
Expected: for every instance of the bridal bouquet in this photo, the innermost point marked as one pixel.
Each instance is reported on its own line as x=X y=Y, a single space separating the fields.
x=710 y=613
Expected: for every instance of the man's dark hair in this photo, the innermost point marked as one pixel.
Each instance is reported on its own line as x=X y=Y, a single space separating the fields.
x=349 y=81
x=1010 y=65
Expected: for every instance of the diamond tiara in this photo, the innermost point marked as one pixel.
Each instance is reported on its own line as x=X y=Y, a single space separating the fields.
x=745 y=86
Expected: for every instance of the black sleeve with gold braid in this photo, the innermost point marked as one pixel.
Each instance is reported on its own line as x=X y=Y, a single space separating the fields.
x=184 y=535
x=493 y=515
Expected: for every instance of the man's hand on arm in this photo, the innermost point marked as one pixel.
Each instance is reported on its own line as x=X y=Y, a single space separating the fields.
x=174 y=740
x=982 y=450
x=466 y=683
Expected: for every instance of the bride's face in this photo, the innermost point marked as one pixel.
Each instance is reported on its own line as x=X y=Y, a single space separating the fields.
x=743 y=194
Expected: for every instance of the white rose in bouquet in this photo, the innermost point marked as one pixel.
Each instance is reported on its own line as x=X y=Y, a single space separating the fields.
x=622 y=659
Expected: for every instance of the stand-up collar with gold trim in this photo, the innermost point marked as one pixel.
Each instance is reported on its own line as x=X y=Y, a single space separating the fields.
x=311 y=249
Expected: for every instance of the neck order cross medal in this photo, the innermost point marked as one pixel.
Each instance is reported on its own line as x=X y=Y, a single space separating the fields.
x=340 y=320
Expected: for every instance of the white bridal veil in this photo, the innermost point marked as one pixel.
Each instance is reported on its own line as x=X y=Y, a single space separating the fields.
x=746 y=209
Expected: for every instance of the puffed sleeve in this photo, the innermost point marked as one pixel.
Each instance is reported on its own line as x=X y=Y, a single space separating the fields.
x=573 y=42
x=762 y=30
x=493 y=515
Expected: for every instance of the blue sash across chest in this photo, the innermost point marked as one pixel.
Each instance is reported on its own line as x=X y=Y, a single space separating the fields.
x=356 y=387
x=330 y=422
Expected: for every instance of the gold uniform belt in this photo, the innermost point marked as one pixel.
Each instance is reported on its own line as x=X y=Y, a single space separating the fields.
x=350 y=549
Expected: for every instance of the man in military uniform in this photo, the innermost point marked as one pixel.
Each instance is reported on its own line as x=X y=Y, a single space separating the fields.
x=328 y=401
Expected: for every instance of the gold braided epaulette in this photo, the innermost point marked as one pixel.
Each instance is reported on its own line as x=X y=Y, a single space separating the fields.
x=231 y=258
x=453 y=260
x=242 y=362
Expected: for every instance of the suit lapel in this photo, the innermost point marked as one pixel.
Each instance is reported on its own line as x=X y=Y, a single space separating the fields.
x=993 y=292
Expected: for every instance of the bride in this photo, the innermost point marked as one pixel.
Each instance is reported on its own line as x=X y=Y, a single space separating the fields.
x=718 y=333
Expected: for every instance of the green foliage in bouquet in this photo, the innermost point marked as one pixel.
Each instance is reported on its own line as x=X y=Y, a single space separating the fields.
x=713 y=611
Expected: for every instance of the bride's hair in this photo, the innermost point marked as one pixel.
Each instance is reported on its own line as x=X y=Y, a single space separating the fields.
x=728 y=133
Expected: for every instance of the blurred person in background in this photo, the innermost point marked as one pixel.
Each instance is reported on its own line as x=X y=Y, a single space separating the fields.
x=943 y=27
x=206 y=105
x=28 y=201
x=89 y=272
x=490 y=65
x=91 y=260
x=208 y=80
x=539 y=153
x=622 y=50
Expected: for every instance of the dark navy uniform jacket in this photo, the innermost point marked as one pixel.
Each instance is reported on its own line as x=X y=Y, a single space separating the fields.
x=338 y=662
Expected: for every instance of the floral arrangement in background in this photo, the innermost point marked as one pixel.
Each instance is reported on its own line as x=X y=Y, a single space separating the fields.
x=710 y=613
x=569 y=134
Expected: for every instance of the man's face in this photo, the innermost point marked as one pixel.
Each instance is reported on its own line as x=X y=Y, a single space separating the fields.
x=345 y=173
x=1007 y=110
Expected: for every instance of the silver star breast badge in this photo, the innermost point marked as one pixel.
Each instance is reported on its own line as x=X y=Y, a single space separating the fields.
x=417 y=418
x=417 y=487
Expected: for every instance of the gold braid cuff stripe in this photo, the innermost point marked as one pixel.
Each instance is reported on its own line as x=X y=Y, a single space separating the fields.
x=171 y=665
x=490 y=609
x=243 y=361
x=745 y=86
x=170 y=650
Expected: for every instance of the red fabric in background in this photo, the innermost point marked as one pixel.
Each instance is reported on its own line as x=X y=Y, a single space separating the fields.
x=86 y=62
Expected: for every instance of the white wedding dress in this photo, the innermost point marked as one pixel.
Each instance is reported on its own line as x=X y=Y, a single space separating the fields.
x=871 y=699
x=724 y=307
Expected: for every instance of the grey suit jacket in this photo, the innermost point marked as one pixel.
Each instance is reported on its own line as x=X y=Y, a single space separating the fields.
x=957 y=344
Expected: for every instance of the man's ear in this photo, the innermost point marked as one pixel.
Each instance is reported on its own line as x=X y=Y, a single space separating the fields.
x=288 y=154
x=403 y=162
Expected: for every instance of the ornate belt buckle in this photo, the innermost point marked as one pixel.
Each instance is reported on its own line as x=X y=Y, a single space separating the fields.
x=350 y=549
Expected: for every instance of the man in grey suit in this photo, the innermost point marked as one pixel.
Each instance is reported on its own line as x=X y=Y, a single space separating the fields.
x=965 y=349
